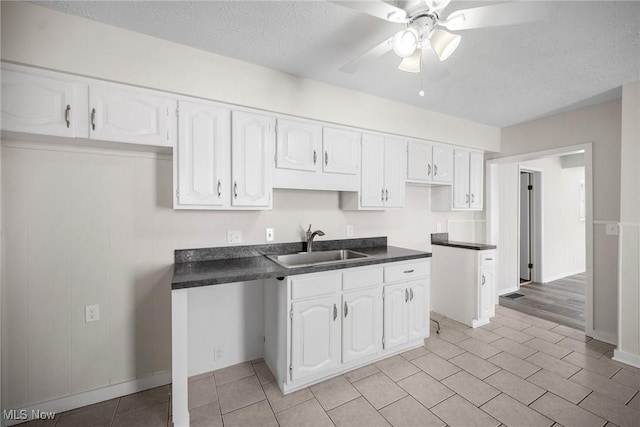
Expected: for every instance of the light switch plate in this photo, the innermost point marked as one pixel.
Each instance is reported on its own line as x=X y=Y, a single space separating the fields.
x=269 y=235
x=612 y=229
x=349 y=230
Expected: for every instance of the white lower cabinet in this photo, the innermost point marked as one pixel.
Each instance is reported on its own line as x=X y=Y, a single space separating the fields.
x=361 y=324
x=463 y=287
x=315 y=336
x=319 y=325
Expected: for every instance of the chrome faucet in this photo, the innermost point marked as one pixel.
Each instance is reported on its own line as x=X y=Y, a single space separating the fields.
x=310 y=237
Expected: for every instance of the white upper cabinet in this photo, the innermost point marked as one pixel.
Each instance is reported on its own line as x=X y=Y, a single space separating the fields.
x=202 y=158
x=420 y=161
x=298 y=145
x=395 y=172
x=43 y=103
x=341 y=151
x=442 y=164
x=384 y=173
x=372 y=186
x=252 y=140
x=124 y=114
x=476 y=179
x=461 y=196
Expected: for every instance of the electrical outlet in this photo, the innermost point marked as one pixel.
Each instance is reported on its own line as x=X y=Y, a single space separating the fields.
x=349 y=230
x=234 y=236
x=269 y=234
x=217 y=353
x=91 y=313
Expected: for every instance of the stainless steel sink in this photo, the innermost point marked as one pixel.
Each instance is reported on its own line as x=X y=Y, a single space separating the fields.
x=305 y=259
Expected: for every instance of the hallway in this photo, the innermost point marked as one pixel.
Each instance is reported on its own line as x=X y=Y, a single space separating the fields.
x=561 y=301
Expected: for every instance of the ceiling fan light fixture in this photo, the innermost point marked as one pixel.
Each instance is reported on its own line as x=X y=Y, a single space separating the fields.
x=411 y=64
x=455 y=20
x=405 y=42
x=444 y=43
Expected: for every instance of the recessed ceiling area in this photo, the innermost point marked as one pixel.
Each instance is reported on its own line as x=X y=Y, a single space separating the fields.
x=581 y=54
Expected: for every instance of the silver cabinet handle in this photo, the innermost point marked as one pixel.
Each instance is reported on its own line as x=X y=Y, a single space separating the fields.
x=473 y=197
x=335 y=312
x=386 y=197
x=435 y=170
x=410 y=294
x=488 y=259
x=93 y=119
x=406 y=295
x=326 y=157
x=467 y=199
x=235 y=189
x=483 y=280
x=67 y=115
x=315 y=157
x=346 y=309
x=219 y=189
x=408 y=271
x=382 y=194
x=429 y=170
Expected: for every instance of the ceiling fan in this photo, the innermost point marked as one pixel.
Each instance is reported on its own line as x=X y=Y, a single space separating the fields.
x=425 y=32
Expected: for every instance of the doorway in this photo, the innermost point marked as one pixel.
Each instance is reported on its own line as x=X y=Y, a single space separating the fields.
x=526 y=227
x=533 y=196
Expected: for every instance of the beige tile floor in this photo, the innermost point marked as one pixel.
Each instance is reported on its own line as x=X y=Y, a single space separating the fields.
x=517 y=371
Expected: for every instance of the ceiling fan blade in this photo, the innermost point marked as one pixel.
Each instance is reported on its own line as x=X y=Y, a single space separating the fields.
x=370 y=55
x=497 y=15
x=376 y=8
x=412 y=64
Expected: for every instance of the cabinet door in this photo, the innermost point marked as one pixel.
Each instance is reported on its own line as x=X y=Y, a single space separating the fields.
x=133 y=116
x=442 y=164
x=461 y=180
x=341 y=151
x=43 y=105
x=395 y=172
x=298 y=145
x=419 y=161
x=372 y=184
x=396 y=298
x=203 y=161
x=361 y=324
x=418 y=308
x=476 y=179
x=315 y=336
x=485 y=293
x=252 y=140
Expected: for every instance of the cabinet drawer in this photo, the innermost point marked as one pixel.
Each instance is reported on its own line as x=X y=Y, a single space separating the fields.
x=406 y=271
x=487 y=259
x=361 y=278
x=325 y=284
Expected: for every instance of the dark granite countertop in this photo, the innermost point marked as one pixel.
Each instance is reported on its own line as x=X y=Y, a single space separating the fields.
x=442 y=239
x=216 y=266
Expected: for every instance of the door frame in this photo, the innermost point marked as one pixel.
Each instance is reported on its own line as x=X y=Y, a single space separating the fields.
x=493 y=213
x=537 y=222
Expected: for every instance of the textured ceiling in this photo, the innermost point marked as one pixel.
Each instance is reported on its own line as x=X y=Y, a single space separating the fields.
x=499 y=76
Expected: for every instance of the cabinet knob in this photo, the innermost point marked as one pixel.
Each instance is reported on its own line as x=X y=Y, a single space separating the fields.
x=326 y=157
x=435 y=170
x=335 y=312
x=406 y=295
x=429 y=170
x=93 y=119
x=219 y=189
x=473 y=197
x=346 y=309
x=410 y=294
x=382 y=194
x=386 y=195
x=235 y=189
x=483 y=280
x=315 y=157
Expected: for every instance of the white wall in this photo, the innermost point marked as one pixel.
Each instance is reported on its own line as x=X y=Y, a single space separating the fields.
x=563 y=235
x=629 y=282
x=600 y=125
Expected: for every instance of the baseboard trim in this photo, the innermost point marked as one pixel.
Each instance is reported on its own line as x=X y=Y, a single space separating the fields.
x=79 y=400
x=607 y=337
x=628 y=358
x=561 y=276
